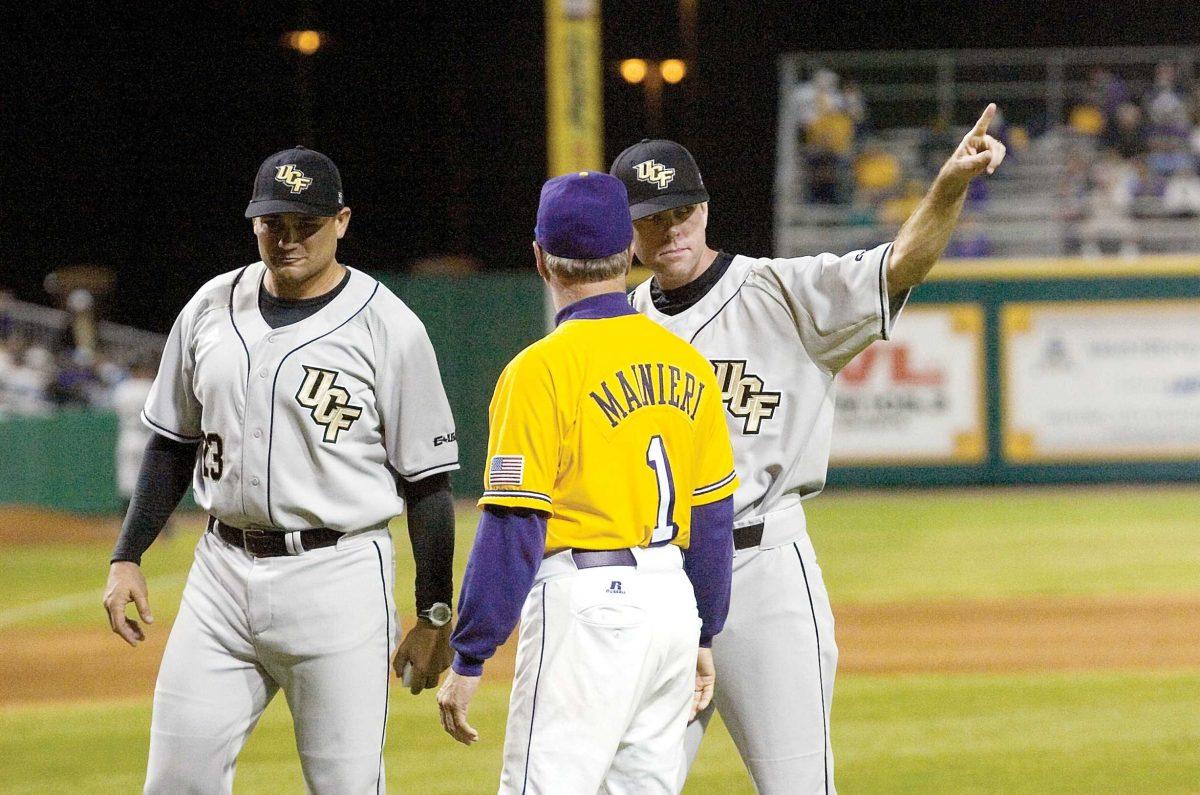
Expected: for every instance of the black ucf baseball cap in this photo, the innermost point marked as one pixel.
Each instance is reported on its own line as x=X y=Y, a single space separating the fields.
x=659 y=175
x=296 y=181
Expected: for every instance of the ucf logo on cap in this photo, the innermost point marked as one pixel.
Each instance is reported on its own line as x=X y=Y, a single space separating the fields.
x=655 y=173
x=292 y=177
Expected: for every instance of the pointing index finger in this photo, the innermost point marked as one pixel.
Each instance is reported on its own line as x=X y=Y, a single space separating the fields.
x=981 y=126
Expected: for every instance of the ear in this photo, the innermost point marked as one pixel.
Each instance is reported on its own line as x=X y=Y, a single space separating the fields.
x=540 y=259
x=342 y=221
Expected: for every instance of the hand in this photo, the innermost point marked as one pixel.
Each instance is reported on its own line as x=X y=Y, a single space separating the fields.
x=978 y=152
x=453 y=700
x=126 y=584
x=706 y=682
x=428 y=649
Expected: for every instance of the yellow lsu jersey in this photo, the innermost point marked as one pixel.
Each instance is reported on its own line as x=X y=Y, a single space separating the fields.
x=613 y=426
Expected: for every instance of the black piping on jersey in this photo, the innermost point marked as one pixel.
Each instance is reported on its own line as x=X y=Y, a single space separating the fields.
x=179 y=437
x=883 y=297
x=387 y=664
x=533 y=708
x=820 y=674
x=275 y=383
x=719 y=310
x=246 y=348
x=714 y=486
x=428 y=471
x=533 y=495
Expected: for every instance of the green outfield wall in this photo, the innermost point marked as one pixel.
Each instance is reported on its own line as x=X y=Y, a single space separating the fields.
x=66 y=462
x=477 y=324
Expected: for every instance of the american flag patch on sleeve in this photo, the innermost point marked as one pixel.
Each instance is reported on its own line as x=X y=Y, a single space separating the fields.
x=506 y=470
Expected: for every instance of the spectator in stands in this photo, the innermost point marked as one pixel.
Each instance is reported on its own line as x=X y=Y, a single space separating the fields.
x=1181 y=197
x=75 y=383
x=1126 y=133
x=897 y=209
x=856 y=106
x=23 y=390
x=1195 y=136
x=1148 y=189
x=970 y=241
x=936 y=140
x=815 y=97
x=1170 y=123
x=1110 y=198
x=1073 y=195
x=827 y=134
x=129 y=397
x=1106 y=92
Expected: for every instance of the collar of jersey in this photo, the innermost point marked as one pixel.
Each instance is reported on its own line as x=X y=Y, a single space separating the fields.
x=595 y=307
x=252 y=328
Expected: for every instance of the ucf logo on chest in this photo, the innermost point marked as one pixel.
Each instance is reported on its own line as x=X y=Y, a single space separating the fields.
x=743 y=393
x=329 y=402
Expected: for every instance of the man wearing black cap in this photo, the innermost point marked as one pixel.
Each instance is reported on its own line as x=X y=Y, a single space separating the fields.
x=777 y=331
x=295 y=394
x=605 y=528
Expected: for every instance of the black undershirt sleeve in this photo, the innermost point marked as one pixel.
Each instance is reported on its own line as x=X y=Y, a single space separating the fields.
x=430 y=509
x=163 y=479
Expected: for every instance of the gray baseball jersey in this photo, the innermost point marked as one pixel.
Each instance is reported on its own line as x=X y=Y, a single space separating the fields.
x=777 y=331
x=304 y=425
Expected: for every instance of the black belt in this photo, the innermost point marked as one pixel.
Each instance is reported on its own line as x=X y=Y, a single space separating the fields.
x=748 y=536
x=273 y=543
x=591 y=558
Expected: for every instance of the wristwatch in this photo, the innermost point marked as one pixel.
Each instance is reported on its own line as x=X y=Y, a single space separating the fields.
x=439 y=614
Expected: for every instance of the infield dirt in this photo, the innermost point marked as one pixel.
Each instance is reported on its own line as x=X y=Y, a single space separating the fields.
x=44 y=665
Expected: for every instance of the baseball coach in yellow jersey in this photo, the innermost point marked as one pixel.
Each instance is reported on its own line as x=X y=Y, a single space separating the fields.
x=606 y=527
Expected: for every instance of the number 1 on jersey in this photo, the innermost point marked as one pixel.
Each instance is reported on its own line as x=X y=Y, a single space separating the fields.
x=665 y=528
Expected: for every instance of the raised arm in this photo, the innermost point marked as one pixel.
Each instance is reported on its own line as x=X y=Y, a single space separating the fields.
x=925 y=234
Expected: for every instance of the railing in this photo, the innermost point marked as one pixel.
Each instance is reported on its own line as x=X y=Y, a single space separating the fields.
x=43 y=325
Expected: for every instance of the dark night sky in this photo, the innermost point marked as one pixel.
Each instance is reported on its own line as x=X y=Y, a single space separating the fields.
x=132 y=142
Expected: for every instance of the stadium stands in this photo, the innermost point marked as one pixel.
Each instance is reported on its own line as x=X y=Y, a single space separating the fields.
x=1104 y=147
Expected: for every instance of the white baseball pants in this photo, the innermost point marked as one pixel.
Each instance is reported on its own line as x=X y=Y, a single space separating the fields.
x=606 y=668
x=321 y=626
x=776 y=660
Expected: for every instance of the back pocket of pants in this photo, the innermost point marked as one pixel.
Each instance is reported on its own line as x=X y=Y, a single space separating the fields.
x=606 y=602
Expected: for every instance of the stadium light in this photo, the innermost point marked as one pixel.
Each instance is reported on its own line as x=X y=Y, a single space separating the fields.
x=633 y=70
x=305 y=42
x=673 y=70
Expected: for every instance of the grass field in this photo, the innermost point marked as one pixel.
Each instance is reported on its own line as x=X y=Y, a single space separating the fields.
x=1134 y=729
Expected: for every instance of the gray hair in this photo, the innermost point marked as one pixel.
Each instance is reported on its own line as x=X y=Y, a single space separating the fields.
x=588 y=270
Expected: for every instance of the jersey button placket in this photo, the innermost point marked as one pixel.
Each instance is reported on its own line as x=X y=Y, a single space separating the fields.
x=255 y=439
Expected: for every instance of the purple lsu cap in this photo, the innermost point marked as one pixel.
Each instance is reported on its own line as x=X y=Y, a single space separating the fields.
x=583 y=215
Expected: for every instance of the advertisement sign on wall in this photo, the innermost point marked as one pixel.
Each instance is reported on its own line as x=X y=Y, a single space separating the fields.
x=918 y=397
x=1101 y=381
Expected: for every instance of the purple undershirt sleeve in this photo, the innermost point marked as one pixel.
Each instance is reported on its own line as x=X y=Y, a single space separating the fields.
x=708 y=562
x=509 y=544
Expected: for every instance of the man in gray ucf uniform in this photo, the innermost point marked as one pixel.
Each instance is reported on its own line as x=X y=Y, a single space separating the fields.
x=777 y=331
x=300 y=397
